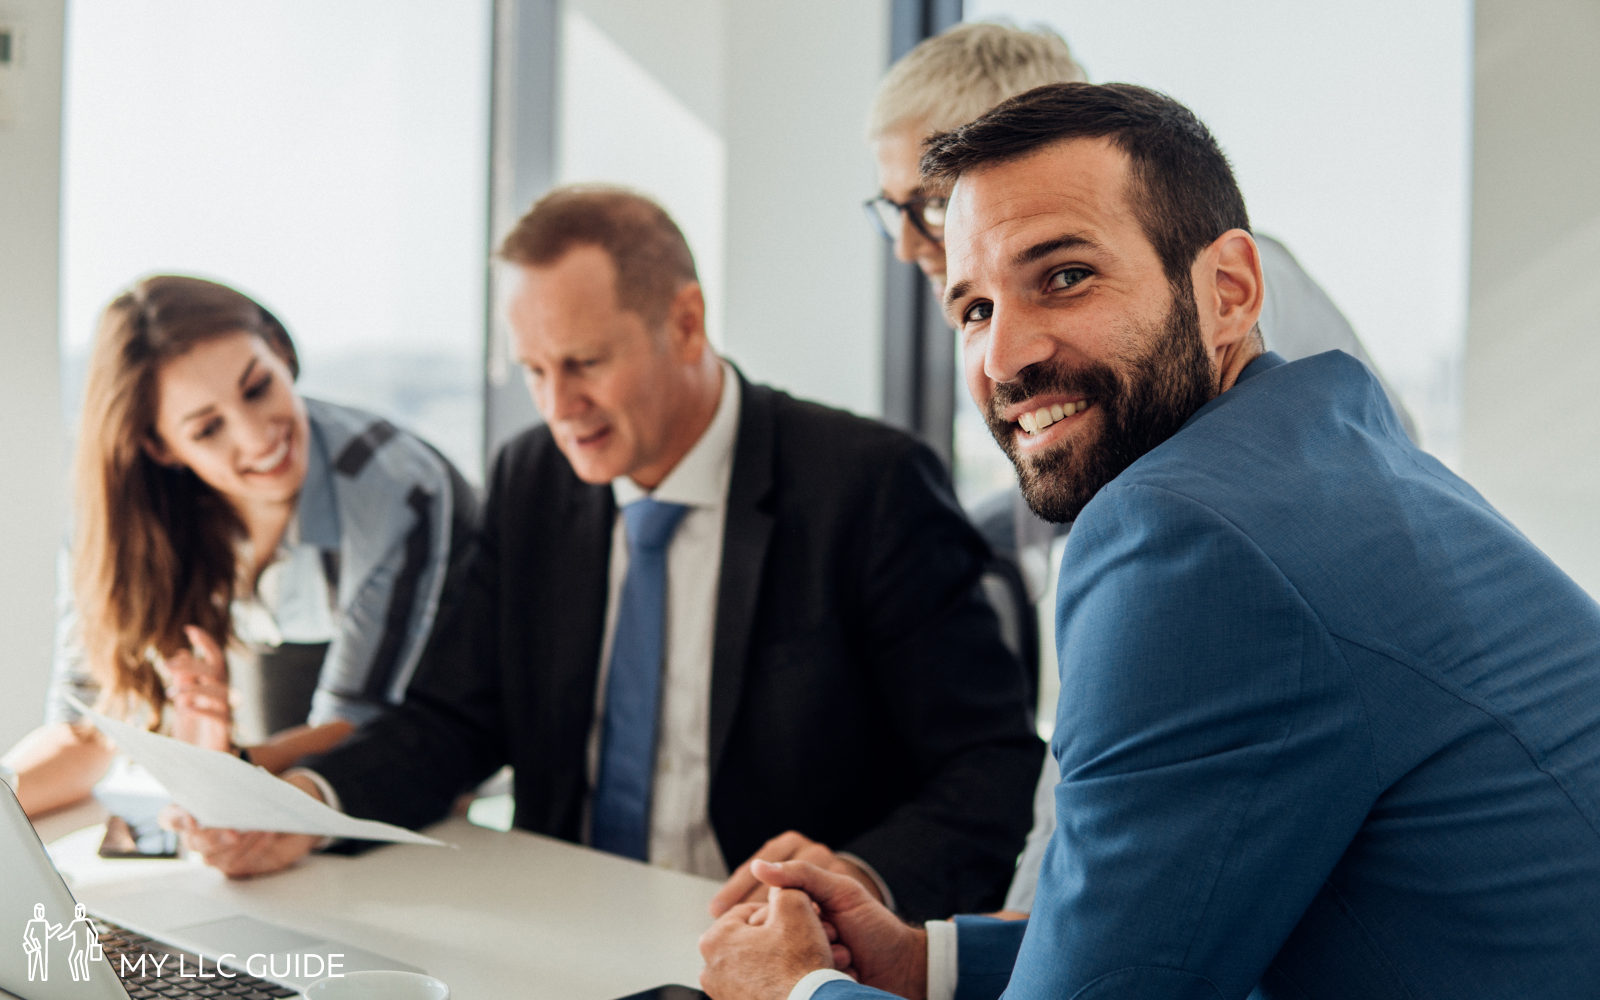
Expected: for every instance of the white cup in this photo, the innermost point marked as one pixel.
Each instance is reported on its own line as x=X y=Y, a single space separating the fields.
x=378 y=985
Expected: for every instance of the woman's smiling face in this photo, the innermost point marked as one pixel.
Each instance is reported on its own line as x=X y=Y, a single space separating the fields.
x=226 y=409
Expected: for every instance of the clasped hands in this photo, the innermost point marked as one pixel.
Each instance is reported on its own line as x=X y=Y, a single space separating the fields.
x=809 y=918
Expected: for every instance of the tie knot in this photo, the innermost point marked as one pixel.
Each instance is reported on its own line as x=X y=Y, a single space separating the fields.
x=650 y=523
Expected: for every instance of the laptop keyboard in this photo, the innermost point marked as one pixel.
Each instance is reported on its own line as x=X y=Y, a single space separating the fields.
x=142 y=981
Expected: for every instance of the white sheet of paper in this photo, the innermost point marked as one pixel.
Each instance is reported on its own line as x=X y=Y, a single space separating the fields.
x=220 y=790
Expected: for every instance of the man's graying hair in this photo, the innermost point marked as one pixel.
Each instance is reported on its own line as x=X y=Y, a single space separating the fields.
x=1181 y=188
x=958 y=74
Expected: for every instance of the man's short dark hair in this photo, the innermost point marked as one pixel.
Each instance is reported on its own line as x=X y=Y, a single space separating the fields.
x=647 y=248
x=1182 y=189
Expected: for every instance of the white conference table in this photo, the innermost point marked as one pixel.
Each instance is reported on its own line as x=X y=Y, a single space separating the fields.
x=506 y=914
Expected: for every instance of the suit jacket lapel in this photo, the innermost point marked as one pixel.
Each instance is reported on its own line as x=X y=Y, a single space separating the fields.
x=571 y=611
x=745 y=537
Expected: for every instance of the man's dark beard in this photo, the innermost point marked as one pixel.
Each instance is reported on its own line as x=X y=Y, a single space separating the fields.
x=1140 y=407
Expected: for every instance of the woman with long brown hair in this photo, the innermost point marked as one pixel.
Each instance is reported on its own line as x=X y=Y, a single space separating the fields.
x=216 y=508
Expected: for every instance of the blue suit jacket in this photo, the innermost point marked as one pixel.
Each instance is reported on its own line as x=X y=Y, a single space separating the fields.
x=1329 y=726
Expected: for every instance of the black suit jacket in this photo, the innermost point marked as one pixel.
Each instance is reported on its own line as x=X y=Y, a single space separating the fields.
x=860 y=692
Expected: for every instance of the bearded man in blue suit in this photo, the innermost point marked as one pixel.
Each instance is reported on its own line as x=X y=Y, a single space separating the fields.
x=1329 y=725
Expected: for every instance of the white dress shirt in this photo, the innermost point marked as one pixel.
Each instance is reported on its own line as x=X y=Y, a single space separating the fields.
x=290 y=601
x=681 y=837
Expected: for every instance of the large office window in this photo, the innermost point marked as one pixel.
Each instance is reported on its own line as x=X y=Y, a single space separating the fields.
x=326 y=158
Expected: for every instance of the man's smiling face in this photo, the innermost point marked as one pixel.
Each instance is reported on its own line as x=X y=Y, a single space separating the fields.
x=1078 y=350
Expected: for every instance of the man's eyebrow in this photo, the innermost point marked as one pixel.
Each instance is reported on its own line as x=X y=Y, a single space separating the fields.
x=956 y=291
x=1068 y=241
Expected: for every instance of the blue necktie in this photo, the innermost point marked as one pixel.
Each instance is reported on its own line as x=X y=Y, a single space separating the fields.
x=621 y=812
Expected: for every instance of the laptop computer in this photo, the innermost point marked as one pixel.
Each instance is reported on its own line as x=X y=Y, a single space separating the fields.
x=52 y=948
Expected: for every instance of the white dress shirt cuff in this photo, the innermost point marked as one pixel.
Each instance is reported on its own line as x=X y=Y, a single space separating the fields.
x=812 y=981
x=942 y=967
x=877 y=880
x=330 y=798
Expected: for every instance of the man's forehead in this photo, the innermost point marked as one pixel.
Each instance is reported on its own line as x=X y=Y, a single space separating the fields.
x=1075 y=185
x=566 y=305
x=582 y=279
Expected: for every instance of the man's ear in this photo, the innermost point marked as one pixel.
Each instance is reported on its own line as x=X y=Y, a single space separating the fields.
x=686 y=322
x=1228 y=291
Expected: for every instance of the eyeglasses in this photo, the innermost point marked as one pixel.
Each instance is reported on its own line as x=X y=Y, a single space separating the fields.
x=926 y=214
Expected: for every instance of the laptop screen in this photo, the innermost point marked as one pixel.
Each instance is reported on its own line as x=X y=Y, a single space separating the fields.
x=48 y=946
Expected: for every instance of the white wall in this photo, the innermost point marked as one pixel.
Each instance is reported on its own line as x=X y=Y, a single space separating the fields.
x=31 y=447
x=1532 y=422
x=804 y=295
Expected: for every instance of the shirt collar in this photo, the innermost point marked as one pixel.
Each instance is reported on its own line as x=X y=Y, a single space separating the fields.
x=700 y=479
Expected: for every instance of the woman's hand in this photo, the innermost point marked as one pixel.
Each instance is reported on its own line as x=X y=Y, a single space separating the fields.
x=197 y=688
x=239 y=853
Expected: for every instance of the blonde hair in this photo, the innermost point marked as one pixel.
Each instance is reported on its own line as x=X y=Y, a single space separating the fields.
x=153 y=547
x=957 y=75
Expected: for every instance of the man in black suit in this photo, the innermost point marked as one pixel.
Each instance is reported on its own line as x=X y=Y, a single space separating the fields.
x=826 y=666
